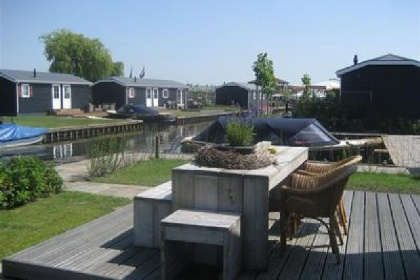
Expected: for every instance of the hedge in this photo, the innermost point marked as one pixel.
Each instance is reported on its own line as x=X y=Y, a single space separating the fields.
x=24 y=179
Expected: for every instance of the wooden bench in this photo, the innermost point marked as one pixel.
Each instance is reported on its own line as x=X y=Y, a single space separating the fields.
x=150 y=207
x=184 y=228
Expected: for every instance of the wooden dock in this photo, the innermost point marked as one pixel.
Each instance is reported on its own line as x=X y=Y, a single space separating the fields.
x=404 y=149
x=383 y=243
x=88 y=131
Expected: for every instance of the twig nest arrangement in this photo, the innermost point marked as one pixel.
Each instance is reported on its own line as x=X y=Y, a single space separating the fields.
x=211 y=156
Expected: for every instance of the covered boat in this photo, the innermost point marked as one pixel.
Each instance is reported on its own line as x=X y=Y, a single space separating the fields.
x=280 y=131
x=141 y=112
x=13 y=135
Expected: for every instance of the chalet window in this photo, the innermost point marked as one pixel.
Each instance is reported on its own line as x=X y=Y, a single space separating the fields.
x=165 y=93
x=67 y=92
x=180 y=97
x=131 y=93
x=149 y=93
x=25 y=91
x=56 y=91
x=254 y=95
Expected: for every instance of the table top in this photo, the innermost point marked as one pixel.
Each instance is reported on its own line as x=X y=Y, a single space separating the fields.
x=287 y=159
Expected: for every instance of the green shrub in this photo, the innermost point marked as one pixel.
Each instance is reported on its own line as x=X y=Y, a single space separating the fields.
x=106 y=155
x=25 y=179
x=239 y=133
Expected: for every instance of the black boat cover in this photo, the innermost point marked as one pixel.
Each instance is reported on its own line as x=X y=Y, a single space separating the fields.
x=280 y=131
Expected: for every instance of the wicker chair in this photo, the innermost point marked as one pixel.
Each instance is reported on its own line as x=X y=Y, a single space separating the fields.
x=315 y=169
x=317 y=202
x=318 y=168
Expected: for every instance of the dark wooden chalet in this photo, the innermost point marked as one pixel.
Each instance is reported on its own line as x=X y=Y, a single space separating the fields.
x=39 y=92
x=389 y=84
x=242 y=94
x=149 y=92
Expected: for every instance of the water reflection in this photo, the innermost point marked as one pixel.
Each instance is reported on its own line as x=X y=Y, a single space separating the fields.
x=142 y=141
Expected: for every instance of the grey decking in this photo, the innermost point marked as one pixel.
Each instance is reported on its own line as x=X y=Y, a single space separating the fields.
x=404 y=149
x=383 y=243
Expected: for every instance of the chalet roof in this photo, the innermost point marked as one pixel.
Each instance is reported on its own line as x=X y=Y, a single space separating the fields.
x=136 y=82
x=280 y=81
x=389 y=59
x=19 y=76
x=238 y=84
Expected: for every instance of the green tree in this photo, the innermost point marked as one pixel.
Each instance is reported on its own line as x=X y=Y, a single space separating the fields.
x=118 y=69
x=306 y=80
x=263 y=68
x=76 y=54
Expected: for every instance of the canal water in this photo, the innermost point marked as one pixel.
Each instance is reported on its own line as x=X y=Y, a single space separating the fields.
x=144 y=140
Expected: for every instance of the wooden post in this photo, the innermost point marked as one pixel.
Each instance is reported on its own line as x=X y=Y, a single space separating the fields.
x=157 y=146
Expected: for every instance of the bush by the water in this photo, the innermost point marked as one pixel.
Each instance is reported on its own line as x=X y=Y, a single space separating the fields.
x=25 y=179
x=106 y=155
x=353 y=117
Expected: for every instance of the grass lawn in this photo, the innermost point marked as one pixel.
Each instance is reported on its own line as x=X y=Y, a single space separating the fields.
x=157 y=171
x=144 y=173
x=382 y=182
x=30 y=224
x=56 y=121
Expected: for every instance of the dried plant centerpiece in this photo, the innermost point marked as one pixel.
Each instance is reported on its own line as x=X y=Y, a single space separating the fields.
x=239 y=153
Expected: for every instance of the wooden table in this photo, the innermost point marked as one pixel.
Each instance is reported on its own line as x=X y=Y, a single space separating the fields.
x=240 y=191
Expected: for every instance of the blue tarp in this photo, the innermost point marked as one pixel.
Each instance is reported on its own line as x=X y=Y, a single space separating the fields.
x=13 y=132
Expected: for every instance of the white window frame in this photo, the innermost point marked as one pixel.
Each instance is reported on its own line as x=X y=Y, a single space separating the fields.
x=65 y=88
x=254 y=95
x=148 y=93
x=131 y=92
x=165 y=93
x=25 y=91
x=58 y=92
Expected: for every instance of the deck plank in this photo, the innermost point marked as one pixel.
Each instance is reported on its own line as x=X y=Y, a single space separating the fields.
x=383 y=242
x=331 y=270
x=393 y=267
x=297 y=257
x=57 y=247
x=373 y=265
x=408 y=249
x=354 y=250
x=317 y=256
x=413 y=217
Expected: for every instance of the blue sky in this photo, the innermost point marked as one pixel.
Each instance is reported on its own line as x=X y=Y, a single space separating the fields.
x=211 y=42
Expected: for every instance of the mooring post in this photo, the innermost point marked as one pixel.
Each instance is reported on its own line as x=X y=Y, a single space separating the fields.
x=157 y=146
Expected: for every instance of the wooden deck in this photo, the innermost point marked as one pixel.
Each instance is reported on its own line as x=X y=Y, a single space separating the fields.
x=383 y=243
x=404 y=149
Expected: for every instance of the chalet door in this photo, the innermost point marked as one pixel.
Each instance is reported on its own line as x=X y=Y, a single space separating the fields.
x=149 y=100
x=155 y=98
x=56 y=97
x=180 y=98
x=66 y=97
